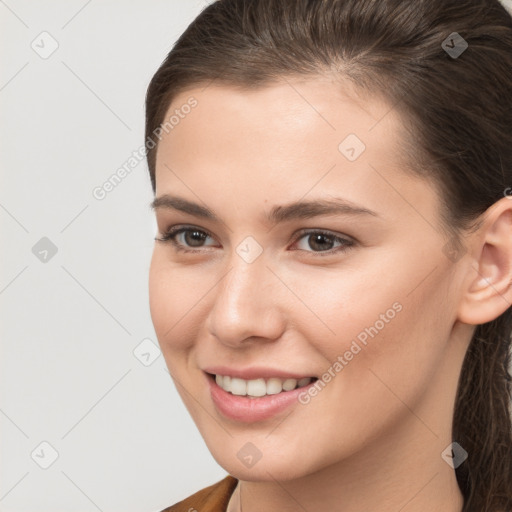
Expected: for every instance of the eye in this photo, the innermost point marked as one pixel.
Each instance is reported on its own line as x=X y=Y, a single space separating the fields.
x=184 y=238
x=323 y=242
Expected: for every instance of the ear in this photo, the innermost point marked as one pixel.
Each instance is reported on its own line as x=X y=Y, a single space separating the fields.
x=489 y=281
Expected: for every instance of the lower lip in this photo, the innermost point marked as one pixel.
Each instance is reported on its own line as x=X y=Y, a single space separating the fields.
x=249 y=410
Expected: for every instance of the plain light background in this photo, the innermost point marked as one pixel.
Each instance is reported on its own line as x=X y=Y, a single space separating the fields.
x=69 y=325
x=82 y=379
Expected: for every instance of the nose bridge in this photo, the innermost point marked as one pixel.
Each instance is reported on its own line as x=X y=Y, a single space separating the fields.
x=245 y=304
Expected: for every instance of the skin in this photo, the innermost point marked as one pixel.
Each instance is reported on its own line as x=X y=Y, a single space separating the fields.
x=372 y=438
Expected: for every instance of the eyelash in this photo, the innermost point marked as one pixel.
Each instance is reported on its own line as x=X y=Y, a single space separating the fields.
x=170 y=237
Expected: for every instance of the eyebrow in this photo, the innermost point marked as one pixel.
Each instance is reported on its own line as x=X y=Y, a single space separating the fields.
x=279 y=213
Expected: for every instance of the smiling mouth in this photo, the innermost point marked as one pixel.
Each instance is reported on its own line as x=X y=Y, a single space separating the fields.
x=256 y=388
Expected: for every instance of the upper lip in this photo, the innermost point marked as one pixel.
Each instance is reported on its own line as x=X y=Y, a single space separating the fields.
x=254 y=372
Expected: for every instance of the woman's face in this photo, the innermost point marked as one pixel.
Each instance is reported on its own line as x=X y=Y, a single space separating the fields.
x=320 y=258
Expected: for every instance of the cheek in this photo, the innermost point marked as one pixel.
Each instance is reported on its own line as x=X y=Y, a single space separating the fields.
x=169 y=300
x=158 y=296
x=386 y=335
x=353 y=303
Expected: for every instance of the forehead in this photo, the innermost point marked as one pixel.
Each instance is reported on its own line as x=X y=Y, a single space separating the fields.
x=314 y=114
x=285 y=137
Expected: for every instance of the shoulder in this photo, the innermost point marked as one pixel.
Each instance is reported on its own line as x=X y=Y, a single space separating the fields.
x=213 y=498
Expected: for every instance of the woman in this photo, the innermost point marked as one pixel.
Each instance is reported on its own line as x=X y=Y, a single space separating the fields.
x=331 y=284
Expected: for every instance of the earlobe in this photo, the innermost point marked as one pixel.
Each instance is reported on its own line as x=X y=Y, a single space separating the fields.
x=489 y=292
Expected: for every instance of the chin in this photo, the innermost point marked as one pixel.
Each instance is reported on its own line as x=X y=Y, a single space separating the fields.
x=272 y=465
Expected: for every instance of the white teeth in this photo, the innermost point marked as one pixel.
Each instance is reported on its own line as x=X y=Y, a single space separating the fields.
x=274 y=386
x=238 y=386
x=289 y=384
x=259 y=387
x=227 y=383
x=256 y=387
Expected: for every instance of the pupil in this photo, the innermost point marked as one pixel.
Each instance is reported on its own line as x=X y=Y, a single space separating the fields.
x=316 y=239
x=194 y=236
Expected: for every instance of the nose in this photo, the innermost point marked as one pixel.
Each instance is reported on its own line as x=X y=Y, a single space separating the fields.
x=246 y=304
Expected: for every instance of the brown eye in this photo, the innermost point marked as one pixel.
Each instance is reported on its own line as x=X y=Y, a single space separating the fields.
x=185 y=238
x=322 y=242
x=194 y=238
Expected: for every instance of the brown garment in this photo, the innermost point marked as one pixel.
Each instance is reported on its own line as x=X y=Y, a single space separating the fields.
x=214 y=498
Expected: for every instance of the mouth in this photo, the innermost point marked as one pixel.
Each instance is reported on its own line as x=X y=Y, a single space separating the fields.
x=260 y=387
x=257 y=399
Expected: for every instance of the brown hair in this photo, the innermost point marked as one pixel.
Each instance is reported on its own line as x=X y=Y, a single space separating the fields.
x=458 y=111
